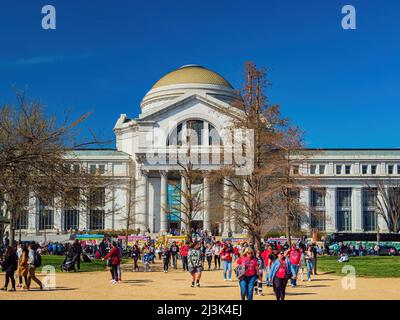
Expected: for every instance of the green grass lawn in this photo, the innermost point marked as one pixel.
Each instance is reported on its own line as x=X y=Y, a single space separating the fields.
x=375 y=267
x=56 y=261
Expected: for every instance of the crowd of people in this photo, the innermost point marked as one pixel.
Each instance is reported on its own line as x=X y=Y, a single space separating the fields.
x=270 y=264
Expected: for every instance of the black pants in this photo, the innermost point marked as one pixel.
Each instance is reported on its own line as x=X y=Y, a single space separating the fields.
x=185 y=263
x=165 y=264
x=114 y=272
x=209 y=259
x=279 y=286
x=78 y=261
x=10 y=276
x=315 y=266
x=217 y=259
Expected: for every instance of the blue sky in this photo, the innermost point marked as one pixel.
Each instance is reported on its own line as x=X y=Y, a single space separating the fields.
x=341 y=86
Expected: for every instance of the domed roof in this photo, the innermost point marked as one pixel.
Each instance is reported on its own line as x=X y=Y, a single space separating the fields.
x=192 y=73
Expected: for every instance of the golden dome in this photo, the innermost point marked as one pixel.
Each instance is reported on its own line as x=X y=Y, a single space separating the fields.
x=192 y=73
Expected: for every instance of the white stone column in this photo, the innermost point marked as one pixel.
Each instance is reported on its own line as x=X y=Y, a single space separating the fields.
x=305 y=203
x=356 y=208
x=57 y=216
x=330 y=205
x=227 y=225
x=164 y=202
x=141 y=201
x=207 y=197
x=184 y=203
x=32 y=216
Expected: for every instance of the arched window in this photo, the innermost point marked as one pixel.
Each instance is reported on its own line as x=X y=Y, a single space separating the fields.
x=193 y=132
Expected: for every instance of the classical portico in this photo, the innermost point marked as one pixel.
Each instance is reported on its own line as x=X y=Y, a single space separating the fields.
x=187 y=108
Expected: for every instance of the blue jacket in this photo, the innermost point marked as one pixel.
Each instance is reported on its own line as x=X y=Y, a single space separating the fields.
x=275 y=266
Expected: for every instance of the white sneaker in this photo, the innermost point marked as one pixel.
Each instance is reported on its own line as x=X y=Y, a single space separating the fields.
x=309 y=280
x=224 y=280
x=230 y=280
x=114 y=282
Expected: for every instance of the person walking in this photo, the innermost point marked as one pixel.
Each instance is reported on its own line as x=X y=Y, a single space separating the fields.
x=279 y=275
x=261 y=267
x=77 y=251
x=195 y=263
x=115 y=260
x=184 y=254
x=251 y=272
x=22 y=270
x=309 y=258
x=217 y=255
x=294 y=255
x=208 y=255
x=9 y=265
x=166 y=254
x=33 y=263
x=315 y=255
x=174 y=254
x=135 y=256
x=226 y=256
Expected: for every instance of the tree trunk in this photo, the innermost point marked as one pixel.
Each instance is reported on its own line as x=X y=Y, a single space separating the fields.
x=12 y=231
x=287 y=223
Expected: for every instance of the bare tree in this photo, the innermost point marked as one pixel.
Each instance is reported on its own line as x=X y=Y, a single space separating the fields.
x=33 y=160
x=388 y=202
x=268 y=191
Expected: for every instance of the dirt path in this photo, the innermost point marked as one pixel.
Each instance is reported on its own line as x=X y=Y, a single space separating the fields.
x=176 y=285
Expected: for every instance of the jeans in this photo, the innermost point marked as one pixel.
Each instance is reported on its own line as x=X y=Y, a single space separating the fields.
x=310 y=267
x=227 y=265
x=294 y=268
x=247 y=287
x=174 y=261
x=185 y=263
x=267 y=282
x=165 y=264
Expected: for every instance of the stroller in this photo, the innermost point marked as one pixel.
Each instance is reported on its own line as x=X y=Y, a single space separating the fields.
x=69 y=263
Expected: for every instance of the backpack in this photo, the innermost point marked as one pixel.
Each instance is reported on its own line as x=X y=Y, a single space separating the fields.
x=240 y=271
x=37 y=259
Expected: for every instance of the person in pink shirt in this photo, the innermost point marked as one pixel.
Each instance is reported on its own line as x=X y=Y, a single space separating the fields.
x=294 y=255
x=251 y=274
x=184 y=253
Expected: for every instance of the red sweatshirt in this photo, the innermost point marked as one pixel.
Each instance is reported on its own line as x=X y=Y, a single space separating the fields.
x=114 y=256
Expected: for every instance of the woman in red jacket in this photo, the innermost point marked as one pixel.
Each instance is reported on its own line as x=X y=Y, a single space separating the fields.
x=115 y=260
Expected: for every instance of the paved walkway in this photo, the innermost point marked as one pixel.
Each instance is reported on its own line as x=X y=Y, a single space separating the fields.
x=176 y=285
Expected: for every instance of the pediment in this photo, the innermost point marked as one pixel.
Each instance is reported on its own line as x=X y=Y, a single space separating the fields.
x=186 y=99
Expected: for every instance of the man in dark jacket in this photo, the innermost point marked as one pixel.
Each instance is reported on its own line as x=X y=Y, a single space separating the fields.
x=77 y=250
x=9 y=265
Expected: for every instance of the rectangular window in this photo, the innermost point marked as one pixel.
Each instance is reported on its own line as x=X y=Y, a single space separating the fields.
x=318 y=209
x=321 y=169
x=343 y=208
x=46 y=219
x=364 y=169
x=398 y=169
x=369 y=204
x=373 y=169
x=347 y=169
x=313 y=169
x=295 y=169
x=21 y=222
x=71 y=220
x=97 y=197
x=92 y=168
x=102 y=168
x=390 y=169
x=96 y=220
x=338 y=169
